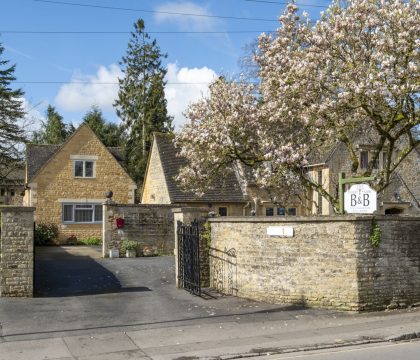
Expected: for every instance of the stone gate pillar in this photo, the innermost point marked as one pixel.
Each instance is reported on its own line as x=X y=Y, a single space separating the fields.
x=16 y=251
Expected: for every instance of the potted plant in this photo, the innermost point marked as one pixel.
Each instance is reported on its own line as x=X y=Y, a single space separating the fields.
x=129 y=247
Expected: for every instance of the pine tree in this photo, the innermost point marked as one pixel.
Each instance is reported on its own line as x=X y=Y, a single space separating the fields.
x=141 y=102
x=110 y=134
x=54 y=130
x=11 y=110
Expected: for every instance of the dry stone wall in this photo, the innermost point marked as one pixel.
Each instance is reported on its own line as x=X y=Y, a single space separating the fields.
x=152 y=226
x=16 y=251
x=329 y=262
x=389 y=275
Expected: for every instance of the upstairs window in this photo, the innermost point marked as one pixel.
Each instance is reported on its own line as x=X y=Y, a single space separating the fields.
x=84 y=168
x=364 y=159
x=379 y=163
x=384 y=159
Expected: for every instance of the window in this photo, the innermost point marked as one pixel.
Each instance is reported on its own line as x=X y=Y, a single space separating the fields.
x=291 y=211
x=2 y=192
x=12 y=192
x=384 y=159
x=223 y=211
x=84 y=168
x=281 y=211
x=82 y=213
x=376 y=163
x=269 y=211
x=364 y=159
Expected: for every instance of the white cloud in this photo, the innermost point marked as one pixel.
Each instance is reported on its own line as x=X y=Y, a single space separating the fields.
x=178 y=95
x=185 y=23
x=80 y=97
x=32 y=121
x=179 y=91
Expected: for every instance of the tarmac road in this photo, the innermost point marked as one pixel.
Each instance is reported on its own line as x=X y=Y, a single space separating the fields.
x=391 y=351
x=78 y=291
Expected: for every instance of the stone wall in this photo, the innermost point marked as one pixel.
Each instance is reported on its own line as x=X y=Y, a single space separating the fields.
x=16 y=251
x=329 y=262
x=152 y=226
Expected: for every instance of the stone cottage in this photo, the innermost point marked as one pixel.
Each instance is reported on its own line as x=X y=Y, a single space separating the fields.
x=402 y=196
x=12 y=185
x=67 y=183
x=225 y=199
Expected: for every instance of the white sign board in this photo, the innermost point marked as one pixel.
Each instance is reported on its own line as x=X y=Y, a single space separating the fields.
x=282 y=231
x=360 y=199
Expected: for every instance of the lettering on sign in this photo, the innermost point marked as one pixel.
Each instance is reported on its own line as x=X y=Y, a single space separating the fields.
x=360 y=199
x=282 y=231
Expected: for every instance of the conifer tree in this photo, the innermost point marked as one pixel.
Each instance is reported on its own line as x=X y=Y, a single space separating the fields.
x=54 y=130
x=141 y=102
x=11 y=110
x=110 y=134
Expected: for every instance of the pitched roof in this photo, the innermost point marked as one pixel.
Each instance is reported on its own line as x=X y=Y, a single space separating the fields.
x=38 y=155
x=15 y=176
x=227 y=190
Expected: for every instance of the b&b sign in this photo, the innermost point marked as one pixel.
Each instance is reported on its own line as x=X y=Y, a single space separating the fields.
x=360 y=199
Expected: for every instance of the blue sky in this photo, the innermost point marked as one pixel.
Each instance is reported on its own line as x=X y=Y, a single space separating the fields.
x=92 y=59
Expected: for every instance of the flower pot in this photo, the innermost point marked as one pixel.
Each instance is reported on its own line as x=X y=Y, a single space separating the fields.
x=130 y=253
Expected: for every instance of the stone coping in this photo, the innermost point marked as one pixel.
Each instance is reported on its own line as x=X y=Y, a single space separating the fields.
x=140 y=205
x=12 y=208
x=313 y=219
x=190 y=210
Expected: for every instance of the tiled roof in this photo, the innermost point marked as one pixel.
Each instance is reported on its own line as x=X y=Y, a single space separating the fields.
x=118 y=154
x=12 y=176
x=38 y=155
x=227 y=190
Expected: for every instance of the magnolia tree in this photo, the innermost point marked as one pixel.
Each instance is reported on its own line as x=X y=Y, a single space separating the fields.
x=356 y=69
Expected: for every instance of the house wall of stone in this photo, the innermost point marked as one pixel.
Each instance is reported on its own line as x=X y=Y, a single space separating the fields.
x=16 y=251
x=152 y=226
x=405 y=183
x=155 y=189
x=234 y=209
x=329 y=262
x=55 y=183
x=313 y=201
x=7 y=198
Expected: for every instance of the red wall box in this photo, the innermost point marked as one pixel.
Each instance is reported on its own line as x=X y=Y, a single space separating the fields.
x=119 y=222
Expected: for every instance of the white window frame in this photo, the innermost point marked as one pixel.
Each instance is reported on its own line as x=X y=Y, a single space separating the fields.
x=88 y=206
x=84 y=161
x=380 y=165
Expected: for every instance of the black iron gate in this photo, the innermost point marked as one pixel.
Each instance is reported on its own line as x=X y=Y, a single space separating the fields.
x=189 y=257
